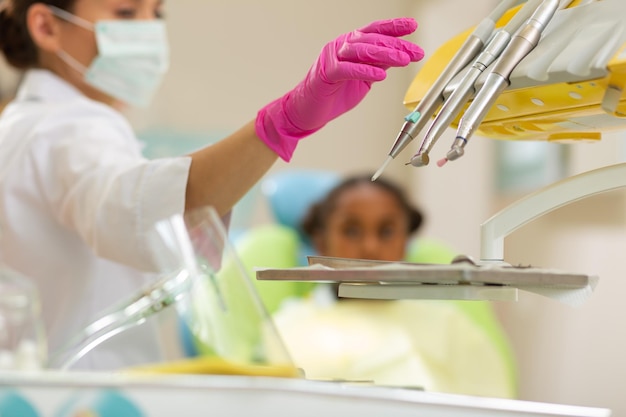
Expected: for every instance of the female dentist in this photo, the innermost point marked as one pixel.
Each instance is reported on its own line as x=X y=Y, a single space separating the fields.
x=77 y=198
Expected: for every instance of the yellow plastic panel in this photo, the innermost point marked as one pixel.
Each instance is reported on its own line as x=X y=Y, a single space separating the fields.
x=576 y=108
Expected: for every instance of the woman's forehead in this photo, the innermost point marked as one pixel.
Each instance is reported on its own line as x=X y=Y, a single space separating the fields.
x=368 y=191
x=373 y=200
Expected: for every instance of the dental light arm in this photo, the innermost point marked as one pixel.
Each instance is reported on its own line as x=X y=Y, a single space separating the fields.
x=535 y=205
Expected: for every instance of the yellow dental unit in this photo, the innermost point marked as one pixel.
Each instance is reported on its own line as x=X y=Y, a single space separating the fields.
x=546 y=70
x=569 y=87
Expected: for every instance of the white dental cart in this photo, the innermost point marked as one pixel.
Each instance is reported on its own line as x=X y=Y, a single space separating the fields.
x=56 y=394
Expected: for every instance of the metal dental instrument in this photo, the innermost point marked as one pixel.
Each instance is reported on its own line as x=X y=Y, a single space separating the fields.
x=498 y=79
x=465 y=89
x=417 y=119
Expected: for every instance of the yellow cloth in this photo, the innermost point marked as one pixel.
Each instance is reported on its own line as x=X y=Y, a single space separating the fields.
x=214 y=366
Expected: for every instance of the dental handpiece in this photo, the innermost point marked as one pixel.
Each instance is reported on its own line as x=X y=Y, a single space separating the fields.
x=465 y=89
x=497 y=81
x=415 y=121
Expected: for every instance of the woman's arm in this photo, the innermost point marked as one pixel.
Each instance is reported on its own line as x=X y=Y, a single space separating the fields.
x=222 y=173
x=337 y=81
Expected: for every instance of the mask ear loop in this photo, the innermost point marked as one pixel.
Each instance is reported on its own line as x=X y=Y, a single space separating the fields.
x=72 y=62
x=78 y=21
x=71 y=18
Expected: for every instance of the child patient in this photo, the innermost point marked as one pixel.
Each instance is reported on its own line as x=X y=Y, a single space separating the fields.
x=363 y=219
x=447 y=346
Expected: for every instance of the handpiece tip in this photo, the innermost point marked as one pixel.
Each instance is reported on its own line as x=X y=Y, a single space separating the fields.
x=382 y=168
x=420 y=160
x=442 y=162
x=455 y=152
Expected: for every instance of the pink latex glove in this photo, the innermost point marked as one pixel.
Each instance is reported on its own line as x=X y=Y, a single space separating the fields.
x=339 y=79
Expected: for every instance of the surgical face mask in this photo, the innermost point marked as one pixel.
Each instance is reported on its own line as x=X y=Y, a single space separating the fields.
x=133 y=57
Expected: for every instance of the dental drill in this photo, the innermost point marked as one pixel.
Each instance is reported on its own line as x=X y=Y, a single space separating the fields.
x=498 y=79
x=465 y=88
x=417 y=119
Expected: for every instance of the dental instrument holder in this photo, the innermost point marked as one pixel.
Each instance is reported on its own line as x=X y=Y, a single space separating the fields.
x=570 y=87
x=419 y=117
x=415 y=121
x=204 y=279
x=498 y=79
x=456 y=98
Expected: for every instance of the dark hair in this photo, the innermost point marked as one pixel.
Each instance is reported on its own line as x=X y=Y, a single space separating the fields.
x=317 y=216
x=15 y=41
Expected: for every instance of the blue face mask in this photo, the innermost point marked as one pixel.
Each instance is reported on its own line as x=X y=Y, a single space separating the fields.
x=133 y=57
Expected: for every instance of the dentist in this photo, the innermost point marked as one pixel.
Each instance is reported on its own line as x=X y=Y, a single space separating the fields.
x=77 y=198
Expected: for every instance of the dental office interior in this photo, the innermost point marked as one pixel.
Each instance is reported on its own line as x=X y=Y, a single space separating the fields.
x=230 y=58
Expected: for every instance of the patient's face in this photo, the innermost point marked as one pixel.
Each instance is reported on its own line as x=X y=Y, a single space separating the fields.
x=367 y=223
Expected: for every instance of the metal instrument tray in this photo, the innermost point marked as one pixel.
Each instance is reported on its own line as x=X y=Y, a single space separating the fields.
x=341 y=270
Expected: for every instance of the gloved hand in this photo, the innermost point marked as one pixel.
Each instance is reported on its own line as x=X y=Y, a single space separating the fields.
x=337 y=81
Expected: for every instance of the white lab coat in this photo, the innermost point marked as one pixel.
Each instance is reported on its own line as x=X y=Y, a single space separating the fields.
x=77 y=200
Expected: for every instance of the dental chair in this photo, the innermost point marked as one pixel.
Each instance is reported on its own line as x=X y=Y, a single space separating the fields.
x=440 y=345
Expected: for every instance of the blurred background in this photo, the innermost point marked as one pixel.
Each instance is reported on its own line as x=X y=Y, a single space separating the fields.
x=231 y=58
